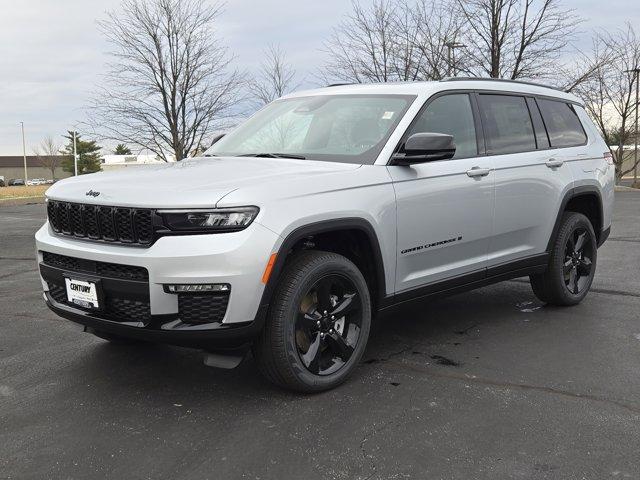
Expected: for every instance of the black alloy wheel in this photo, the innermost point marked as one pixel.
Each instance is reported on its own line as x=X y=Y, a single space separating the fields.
x=572 y=263
x=328 y=324
x=318 y=323
x=577 y=261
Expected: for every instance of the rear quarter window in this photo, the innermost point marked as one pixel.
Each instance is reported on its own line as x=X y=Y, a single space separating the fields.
x=562 y=123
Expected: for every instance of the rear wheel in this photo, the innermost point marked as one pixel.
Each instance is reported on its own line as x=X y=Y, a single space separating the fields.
x=572 y=264
x=318 y=324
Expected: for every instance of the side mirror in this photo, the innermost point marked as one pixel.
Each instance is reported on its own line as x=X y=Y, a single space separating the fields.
x=425 y=147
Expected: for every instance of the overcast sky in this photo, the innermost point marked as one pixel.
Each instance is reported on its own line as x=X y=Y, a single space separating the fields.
x=51 y=52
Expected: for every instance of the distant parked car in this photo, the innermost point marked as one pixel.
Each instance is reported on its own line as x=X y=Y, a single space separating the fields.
x=36 y=181
x=2 y=184
x=14 y=182
x=49 y=182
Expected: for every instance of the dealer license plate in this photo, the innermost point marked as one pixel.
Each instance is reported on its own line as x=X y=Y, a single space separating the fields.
x=82 y=293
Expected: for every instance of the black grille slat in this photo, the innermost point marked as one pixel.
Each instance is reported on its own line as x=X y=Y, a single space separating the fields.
x=90 y=216
x=144 y=225
x=52 y=213
x=62 y=212
x=102 y=269
x=207 y=308
x=76 y=225
x=108 y=224
x=124 y=223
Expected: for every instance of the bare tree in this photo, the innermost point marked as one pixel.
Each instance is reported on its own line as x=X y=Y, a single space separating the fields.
x=515 y=38
x=275 y=78
x=609 y=93
x=48 y=155
x=366 y=46
x=170 y=84
x=439 y=34
x=392 y=40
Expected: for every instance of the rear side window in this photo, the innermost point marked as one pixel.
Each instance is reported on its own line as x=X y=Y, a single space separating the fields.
x=451 y=115
x=562 y=122
x=507 y=124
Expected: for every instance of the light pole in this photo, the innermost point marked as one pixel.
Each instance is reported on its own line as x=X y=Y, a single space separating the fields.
x=451 y=56
x=24 y=154
x=636 y=72
x=75 y=155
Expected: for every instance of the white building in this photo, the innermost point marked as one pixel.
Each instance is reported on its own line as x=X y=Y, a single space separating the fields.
x=113 y=162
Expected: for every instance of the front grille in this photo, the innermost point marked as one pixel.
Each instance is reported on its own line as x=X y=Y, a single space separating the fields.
x=208 y=308
x=102 y=269
x=124 y=309
x=115 y=308
x=108 y=224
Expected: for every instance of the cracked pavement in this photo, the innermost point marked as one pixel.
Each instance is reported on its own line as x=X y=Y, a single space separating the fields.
x=482 y=385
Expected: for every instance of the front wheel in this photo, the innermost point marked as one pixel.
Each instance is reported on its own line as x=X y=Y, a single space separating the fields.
x=572 y=263
x=318 y=324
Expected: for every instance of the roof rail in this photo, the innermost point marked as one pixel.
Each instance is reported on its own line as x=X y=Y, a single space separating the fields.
x=340 y=84
x=503 y=80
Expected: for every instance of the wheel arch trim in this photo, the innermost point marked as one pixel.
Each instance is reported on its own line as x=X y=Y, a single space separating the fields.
x=575 y=192
x=315 y=228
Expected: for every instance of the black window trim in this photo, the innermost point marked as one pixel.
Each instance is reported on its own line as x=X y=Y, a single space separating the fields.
x=480 y=133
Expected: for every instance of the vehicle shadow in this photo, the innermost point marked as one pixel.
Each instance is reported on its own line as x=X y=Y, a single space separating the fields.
x=166 y=371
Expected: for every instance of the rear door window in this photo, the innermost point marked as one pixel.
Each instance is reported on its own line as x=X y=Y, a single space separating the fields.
x=562 y=122
x=507 y=124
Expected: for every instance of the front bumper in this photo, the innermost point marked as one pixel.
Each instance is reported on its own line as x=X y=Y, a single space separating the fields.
x=237 y=259
x=222 y=337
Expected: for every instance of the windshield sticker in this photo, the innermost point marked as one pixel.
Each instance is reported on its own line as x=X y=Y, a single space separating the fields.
x=430 y=245
x=387 y=115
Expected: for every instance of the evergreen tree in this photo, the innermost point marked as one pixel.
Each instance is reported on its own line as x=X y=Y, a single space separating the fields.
x=122 y=149
x=88 y=155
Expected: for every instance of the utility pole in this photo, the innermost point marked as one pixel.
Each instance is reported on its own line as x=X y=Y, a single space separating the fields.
x=635 y=152
x=451 y=56
x=75 y=155
x=636 y=73
x=24 y=154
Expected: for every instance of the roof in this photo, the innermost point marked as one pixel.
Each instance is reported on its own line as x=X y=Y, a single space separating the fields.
x=429 y=88
x=32 y=160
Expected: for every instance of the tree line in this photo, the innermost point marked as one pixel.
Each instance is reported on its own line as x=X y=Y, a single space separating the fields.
x=172 y=83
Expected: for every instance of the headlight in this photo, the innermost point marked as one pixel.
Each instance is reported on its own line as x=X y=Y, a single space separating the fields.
x=217 y=219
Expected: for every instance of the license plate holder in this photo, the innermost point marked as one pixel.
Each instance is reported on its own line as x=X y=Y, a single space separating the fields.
x=84 y=292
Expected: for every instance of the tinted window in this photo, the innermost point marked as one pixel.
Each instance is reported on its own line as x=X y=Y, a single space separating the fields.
x=452 y=115
x=507 y=124
x=563 y=126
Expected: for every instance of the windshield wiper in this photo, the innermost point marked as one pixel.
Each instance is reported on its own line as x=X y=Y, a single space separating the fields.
x=274 y=155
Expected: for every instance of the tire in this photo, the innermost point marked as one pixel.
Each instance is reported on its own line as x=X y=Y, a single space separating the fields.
x=302 y=346
x=572 y=263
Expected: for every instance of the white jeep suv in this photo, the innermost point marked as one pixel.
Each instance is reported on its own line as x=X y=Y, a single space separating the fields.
x=326 y=207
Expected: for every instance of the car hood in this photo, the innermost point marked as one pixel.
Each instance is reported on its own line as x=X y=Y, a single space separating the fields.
x=197 y=182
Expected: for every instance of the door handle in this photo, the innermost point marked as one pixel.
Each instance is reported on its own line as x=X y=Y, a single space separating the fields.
x=478 y=172
x=554 y=163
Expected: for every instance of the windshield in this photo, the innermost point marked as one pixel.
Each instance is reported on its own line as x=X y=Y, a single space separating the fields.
x=337 y=128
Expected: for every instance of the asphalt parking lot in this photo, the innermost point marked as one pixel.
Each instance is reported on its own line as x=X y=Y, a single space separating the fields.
x=483 y=385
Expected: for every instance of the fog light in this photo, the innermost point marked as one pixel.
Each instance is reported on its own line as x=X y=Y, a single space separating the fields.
x=198 y=288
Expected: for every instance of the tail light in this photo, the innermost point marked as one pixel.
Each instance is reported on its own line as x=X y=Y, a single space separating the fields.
x=608 y=157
